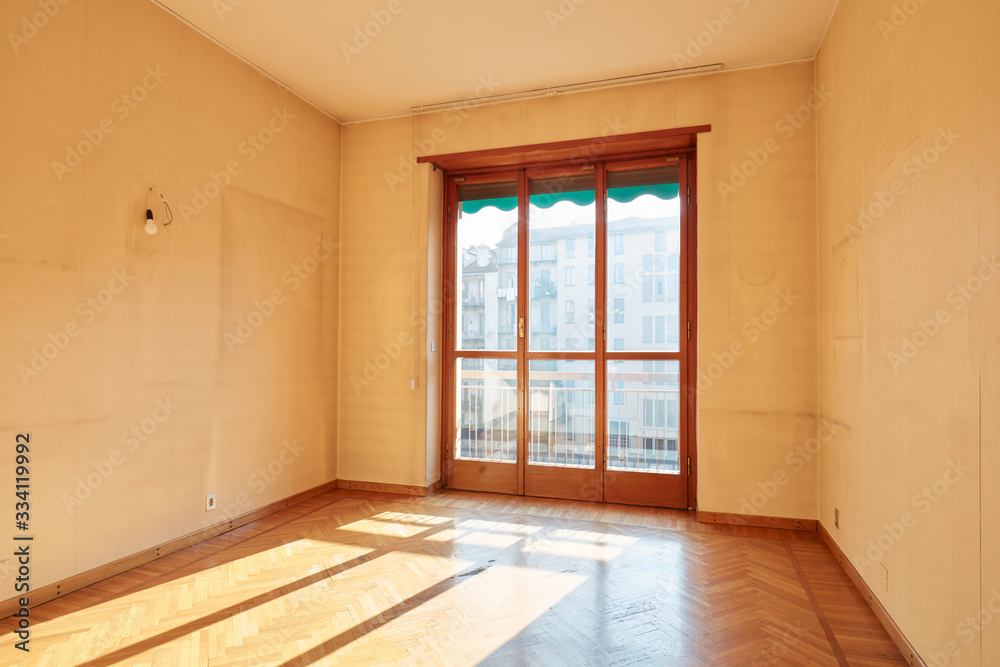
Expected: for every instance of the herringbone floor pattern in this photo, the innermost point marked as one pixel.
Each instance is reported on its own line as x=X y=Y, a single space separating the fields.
x=353 y=578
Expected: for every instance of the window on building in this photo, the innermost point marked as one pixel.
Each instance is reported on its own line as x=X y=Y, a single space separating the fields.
x=591 y=245
x=590 y=274
x=619 y=244
x=619 y=311
x=673 y=329
x=660 y=240
x=570 y=312
x=590 y=312
x=654 y=417
x=546 y=252
x=570 y=248
x=570 y=280
x=620 y=274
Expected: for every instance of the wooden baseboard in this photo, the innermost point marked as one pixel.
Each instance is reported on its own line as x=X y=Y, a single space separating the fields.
x=399 y=489
x=435 y=486
x=902 y=643
x=90 y=577
x=808 y=525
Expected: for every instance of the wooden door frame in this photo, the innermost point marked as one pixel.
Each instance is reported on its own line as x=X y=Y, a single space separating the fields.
x=680 y=142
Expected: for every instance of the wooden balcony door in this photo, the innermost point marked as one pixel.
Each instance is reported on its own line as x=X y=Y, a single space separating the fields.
x=567 y=350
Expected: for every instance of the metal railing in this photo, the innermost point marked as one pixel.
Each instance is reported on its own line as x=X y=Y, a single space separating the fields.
x=643 y=435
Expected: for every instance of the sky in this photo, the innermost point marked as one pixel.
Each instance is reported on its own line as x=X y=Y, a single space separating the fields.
x=487 y=225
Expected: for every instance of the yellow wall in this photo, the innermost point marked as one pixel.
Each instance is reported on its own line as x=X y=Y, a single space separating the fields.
x=911 y=136
x=754 y=242
x=157 y=334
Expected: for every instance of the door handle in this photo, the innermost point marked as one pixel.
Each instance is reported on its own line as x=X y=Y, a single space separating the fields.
x=520 y=327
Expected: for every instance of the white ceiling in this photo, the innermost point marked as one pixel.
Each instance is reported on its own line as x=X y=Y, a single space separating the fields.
x=433 y=51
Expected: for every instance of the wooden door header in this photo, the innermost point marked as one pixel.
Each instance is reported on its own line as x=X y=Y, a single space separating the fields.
x=577 y=150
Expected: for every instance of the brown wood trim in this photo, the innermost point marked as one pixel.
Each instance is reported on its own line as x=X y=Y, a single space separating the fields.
x=643 y=356
x=580 y=150
x=808 y=525
x=485 y=354
x=378 y=487
x=448 y=297
x=691 y=304
x=435 y=486
x=523 y=275
x=102 y=572
x=902 y=643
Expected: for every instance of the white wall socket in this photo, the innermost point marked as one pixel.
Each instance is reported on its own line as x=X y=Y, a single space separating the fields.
x=210 y=502
x=884 y=577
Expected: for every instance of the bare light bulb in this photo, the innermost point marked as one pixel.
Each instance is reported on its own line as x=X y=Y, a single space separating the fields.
x=150 y=225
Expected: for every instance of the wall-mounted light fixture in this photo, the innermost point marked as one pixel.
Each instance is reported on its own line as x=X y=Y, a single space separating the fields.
x=150 y=223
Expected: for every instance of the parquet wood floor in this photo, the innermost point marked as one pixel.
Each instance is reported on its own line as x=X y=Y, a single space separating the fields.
x=355 y=578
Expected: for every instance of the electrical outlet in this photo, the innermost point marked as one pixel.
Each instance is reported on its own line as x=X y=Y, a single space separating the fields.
x=884 y=577
x=836 y=518
x=210 y=502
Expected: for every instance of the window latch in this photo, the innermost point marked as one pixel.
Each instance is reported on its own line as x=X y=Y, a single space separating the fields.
x=520 y=327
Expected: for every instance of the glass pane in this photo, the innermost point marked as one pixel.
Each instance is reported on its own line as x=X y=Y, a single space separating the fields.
x=561 y=220
x=487 y=266
x=644 y=416
x=561 y=397
x=644 y=241
x=486 y=410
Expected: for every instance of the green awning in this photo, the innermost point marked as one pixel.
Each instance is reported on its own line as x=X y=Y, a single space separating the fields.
x=665 y=191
